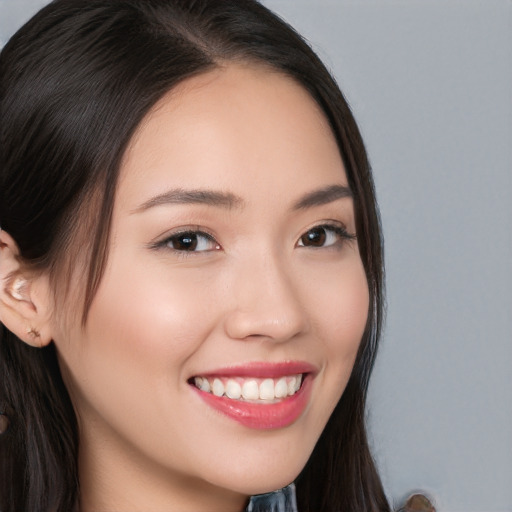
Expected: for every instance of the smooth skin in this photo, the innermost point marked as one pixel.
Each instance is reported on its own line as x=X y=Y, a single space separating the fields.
x=239 y=274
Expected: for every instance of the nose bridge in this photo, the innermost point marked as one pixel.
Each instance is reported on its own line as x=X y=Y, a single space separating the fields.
x=266 y=299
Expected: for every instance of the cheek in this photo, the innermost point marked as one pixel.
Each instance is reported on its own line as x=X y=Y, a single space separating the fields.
x=168 y=311
x=342 y=302
x=142 y=327
x=342 y=312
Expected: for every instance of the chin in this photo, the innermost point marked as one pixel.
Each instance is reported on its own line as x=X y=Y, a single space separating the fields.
x=260 y=478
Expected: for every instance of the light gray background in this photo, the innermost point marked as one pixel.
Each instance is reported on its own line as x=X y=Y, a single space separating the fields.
x=430 y=83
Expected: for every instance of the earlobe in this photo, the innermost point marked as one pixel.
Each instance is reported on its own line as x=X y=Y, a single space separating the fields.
x=22 y=307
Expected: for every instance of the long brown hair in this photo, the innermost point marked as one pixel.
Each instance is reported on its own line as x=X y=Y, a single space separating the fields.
x=75 y=82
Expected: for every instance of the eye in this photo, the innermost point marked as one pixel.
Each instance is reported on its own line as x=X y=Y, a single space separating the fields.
x=190 y=241
x=325 y=236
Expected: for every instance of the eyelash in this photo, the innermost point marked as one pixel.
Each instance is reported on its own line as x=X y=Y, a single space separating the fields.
x=196 y=233
x=339 y=230
x=167 y=242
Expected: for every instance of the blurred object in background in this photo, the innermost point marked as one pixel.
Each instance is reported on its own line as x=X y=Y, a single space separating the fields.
x=417 y=503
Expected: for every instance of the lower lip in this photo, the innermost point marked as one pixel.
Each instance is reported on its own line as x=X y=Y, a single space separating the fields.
x=262 y=416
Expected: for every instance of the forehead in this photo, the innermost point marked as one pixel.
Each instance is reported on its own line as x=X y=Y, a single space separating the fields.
x=246 y=129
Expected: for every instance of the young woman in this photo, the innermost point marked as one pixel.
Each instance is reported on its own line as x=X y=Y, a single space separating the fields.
x=190 y=265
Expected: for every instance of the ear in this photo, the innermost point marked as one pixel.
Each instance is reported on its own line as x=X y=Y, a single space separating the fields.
x=25 y=299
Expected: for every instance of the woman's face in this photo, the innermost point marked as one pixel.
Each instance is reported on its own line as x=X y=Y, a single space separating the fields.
x=232 y=268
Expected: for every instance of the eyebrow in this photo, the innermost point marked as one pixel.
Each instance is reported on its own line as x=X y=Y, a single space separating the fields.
x=322 y=196
x=229 y=200
x=179 y=196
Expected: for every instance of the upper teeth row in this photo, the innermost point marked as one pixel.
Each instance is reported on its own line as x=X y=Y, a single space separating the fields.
x=250 y=389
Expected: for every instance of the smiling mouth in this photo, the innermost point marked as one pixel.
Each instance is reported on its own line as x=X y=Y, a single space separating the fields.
x=255 y=390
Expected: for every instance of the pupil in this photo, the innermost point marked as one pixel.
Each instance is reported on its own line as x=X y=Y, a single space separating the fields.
x=186 y=242
x=315 y=237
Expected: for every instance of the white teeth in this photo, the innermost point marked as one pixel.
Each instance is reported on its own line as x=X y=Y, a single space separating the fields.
x=267 y=390
x=218 y=387
x=281 y=388
x=291 y=385
x=202 y=384
x=205 y=385
x=233 y=389
x=250 y=390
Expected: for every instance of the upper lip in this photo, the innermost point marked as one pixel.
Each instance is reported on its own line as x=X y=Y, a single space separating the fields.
x=260 y=369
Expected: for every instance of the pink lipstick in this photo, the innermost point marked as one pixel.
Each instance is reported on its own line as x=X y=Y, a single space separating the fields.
x=258 y=395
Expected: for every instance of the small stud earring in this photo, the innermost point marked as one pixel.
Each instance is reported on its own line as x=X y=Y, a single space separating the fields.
x=4 y=423
x=33 y=332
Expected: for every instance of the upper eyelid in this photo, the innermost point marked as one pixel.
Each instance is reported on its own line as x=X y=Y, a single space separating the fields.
x=338 y=227
x=162 y=240
x=343 y=238
x=332 y=224
x=199 y=230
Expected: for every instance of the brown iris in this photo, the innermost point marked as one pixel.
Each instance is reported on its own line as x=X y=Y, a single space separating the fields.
x=314 y=237
x=185 y=242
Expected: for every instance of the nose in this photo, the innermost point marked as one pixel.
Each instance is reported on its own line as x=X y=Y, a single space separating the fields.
x=266 y=302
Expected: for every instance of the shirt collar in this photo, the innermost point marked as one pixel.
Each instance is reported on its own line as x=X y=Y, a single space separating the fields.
x=282 y=500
